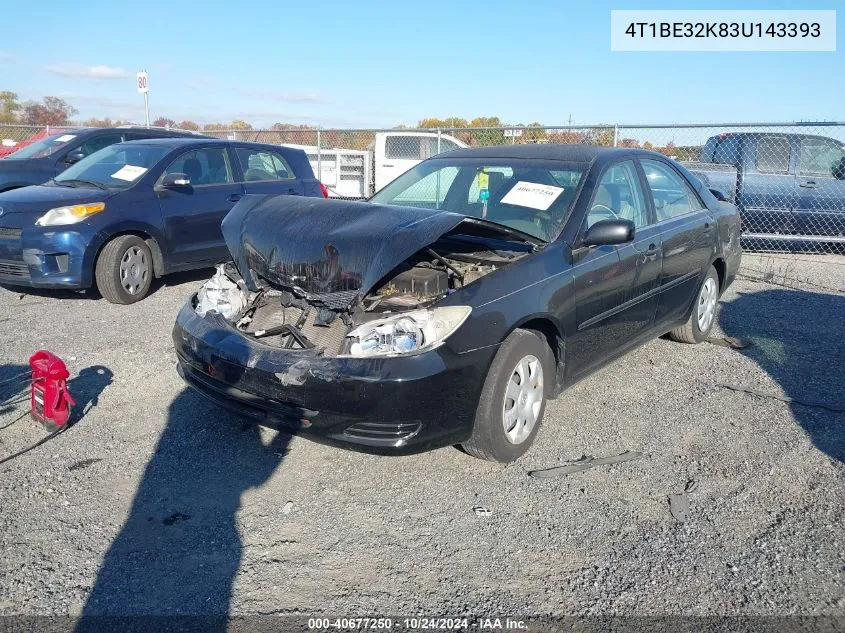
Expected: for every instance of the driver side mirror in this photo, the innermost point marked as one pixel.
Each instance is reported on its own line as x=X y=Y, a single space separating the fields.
x=605 y=232
x=175 y=181
x=718 y=195
x=74 y=157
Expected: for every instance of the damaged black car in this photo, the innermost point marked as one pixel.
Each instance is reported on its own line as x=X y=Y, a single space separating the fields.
x=452 y=305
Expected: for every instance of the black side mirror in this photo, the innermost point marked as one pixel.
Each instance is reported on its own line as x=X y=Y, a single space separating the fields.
x=606 y=232
x=175 y=181
x=718 y=195
x=74 y=157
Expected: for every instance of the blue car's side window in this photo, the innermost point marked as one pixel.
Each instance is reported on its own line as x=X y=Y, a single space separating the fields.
x=203 y=167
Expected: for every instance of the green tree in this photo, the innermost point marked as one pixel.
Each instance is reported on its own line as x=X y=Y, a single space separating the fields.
x=9 y=106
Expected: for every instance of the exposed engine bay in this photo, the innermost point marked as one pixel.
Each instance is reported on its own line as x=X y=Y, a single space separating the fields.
x=291 y=318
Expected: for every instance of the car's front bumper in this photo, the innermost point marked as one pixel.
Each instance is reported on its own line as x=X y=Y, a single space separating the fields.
x=394 y=405
x=38 y=257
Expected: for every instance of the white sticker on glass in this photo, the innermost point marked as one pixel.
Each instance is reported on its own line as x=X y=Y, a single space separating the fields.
x=532 y=195
x=129 y=173
x=64 y=138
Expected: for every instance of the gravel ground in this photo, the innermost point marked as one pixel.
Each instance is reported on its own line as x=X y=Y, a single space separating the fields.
x=157 y=502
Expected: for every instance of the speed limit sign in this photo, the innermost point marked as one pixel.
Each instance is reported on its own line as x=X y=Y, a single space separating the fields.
x=142 y=82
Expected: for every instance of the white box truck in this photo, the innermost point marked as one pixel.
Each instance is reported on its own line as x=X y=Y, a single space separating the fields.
x=350 y=173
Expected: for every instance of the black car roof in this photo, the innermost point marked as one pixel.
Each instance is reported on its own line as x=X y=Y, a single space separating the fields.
x=153 y=131
x=568 y=153
x=181 y=141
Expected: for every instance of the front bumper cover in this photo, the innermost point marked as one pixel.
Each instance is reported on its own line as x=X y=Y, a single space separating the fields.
x=394 y=405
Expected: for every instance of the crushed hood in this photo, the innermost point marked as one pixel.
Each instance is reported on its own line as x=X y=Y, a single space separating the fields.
x=333 y=250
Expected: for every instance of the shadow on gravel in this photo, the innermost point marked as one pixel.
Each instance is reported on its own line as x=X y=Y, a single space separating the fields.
x=85 y=388
x=179 y=550
x=798 y=340
x=13 y=378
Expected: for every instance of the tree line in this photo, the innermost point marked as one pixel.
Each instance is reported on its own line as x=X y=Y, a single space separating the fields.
x=55 y=111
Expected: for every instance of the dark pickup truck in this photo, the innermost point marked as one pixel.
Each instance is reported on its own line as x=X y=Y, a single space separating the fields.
x=789 y=188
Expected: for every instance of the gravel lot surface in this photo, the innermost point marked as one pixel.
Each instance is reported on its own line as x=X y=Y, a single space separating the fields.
x=157 y=502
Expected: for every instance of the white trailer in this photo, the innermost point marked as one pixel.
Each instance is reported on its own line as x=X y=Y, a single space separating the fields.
x=350 y=173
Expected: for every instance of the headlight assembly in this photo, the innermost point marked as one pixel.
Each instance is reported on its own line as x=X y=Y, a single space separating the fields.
x=406 y=333
x=61 y=216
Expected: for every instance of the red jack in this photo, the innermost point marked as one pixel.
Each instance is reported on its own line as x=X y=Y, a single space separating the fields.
x=50 y=400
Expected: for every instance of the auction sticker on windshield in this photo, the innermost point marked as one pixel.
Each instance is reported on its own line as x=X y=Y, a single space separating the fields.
x=129 y=173
x=65 y=138
x=532 y=195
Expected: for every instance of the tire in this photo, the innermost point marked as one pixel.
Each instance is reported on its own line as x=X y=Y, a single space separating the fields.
x=124 y=270
x=703 y=316
x=523 y=351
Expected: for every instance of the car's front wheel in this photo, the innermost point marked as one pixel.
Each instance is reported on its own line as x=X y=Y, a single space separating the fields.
x=703 y=316
x=513 y=398
x=124 y=270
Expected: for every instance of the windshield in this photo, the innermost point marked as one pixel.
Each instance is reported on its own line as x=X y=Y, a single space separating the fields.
x=115 y=167
x=531 y=196
x=44 y=147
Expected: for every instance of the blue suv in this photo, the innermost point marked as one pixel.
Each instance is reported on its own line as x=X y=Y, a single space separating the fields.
x=138 y=210
x=47 y=157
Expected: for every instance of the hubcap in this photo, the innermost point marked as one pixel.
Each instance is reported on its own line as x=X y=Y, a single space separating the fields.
x=134 y=269
x=523 y=399
x=706 y=304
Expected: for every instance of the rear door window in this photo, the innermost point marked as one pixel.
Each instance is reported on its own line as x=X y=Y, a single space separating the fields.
x=262 y=165
x=821 y=157
x=773 y=154
x=671 y=194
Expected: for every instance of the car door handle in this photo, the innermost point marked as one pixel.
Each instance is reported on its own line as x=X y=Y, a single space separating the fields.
x=651 y=254
x=235 y=197
x=810 y=184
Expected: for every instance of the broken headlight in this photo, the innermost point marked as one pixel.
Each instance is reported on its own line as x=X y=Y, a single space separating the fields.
x=220 y=294
x=407 y=332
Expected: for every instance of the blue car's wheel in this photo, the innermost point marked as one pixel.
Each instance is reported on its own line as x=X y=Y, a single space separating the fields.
x=124 y=270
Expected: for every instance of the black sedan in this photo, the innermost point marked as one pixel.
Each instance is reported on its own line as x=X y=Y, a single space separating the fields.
x=449 y=307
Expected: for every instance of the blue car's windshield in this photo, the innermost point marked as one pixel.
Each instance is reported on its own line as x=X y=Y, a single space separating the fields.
x=115 y=167
x=44 y=147
x=528 y=195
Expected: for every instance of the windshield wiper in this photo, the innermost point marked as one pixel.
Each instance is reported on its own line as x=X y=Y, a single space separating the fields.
x=501 y=228
x=58 y=183
x=84 y=182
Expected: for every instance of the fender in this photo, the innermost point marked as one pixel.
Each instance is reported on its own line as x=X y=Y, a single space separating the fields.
x=147 y=231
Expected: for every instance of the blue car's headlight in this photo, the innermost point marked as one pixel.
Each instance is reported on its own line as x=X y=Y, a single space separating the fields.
x=406 y=333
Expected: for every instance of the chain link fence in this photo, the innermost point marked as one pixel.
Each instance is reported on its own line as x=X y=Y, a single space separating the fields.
x=787 y=179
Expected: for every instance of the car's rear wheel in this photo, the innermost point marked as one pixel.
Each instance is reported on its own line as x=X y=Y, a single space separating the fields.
x=513 y=398
x=703 y=316
x=124 y=270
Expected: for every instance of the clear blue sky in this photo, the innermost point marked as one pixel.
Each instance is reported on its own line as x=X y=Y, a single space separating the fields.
x=354 y=64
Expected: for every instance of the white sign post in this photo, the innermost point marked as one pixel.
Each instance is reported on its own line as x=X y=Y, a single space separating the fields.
x=143 y=87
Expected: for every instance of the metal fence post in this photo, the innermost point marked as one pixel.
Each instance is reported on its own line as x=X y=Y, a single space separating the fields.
x=438 y=140
x=319 y=157
x=615 y=134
